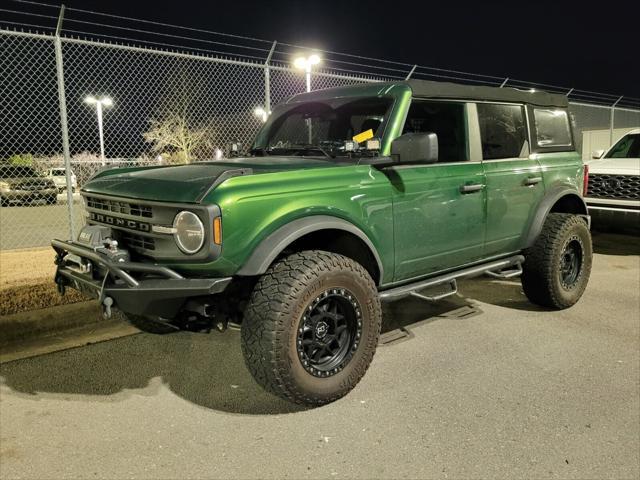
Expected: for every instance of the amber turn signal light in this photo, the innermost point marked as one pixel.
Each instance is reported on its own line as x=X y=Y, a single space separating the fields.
x=217 y=231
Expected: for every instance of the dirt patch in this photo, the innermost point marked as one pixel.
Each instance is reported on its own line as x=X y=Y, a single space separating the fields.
x=26 y=281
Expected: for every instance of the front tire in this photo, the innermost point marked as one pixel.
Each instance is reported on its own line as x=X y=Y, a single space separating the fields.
x=311 y=327
x=557 y=267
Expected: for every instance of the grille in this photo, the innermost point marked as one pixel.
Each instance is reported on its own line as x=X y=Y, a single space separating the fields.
x=124 y=208
x=620 y=187
x=132 y=240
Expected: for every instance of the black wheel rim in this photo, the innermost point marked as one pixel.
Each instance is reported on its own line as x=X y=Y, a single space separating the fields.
x=329 y=332
x=571 y=263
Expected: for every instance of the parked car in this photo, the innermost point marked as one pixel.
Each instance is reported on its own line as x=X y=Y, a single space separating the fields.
x=614 y=184
x=59 y=177
x=22 y=185
x=349 y=197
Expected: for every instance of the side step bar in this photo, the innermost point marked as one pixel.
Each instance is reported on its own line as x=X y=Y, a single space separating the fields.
x=413 y=289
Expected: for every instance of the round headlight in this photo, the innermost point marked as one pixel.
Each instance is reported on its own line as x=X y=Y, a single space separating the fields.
x=189 y=233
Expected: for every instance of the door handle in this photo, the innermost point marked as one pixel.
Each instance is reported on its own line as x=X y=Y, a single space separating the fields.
x=532 y=181
x=476 y=187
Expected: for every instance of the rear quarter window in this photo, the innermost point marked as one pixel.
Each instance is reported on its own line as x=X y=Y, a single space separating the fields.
x=552 y=128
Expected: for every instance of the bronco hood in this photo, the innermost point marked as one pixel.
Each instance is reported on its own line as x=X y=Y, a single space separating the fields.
x=189 y=183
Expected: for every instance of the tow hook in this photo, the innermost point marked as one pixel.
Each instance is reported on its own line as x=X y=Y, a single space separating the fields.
x=107 y=303
x=221 y=326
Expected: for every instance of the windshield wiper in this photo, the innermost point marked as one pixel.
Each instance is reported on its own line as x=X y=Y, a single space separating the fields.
x=304 y=148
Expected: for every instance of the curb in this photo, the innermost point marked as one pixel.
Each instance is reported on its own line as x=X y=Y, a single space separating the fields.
x=56 y=328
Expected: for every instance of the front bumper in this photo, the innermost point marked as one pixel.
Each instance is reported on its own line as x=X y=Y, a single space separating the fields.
x=624 y=214
x=133 y=287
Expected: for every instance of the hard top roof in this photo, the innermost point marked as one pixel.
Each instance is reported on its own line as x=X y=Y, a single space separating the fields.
x=429 y=89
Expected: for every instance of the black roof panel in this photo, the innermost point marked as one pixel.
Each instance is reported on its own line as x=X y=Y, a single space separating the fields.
x=427 y=89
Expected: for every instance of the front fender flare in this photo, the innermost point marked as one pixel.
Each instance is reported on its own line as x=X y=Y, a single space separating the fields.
x=544 y=208
x=274 y=244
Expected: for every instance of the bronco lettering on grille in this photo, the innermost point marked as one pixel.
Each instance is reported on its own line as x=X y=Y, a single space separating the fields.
x=119 y=222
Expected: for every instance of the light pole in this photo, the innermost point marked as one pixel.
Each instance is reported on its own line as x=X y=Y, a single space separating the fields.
x=99 y=103
x=306 y=64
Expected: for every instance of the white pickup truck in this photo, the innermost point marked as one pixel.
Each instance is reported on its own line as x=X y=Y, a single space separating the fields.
x=613 y=195
x=59 y=178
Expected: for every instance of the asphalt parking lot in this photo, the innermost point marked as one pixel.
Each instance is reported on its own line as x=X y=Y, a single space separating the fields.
x=485 y=386
x=34 y=225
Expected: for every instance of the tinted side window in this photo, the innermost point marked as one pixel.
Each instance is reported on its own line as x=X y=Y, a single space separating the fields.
x=503 y=131
x=447 y=121
x=552 y=127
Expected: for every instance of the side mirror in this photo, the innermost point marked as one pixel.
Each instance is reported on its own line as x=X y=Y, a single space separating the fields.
x=421 y=147
x=596 y=154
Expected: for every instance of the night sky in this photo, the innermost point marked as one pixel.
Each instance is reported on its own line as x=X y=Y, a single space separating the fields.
x=574 y=44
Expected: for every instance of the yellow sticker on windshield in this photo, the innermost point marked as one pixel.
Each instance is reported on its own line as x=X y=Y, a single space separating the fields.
x=364 y=136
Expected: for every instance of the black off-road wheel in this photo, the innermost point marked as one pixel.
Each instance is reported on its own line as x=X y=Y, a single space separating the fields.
x=557 y=267
x=311 y=327
x=149 y=325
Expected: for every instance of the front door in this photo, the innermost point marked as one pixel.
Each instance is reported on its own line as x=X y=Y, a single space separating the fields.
x=439 y=209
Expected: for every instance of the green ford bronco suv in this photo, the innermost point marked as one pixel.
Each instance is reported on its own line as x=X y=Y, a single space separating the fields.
x=348 y=197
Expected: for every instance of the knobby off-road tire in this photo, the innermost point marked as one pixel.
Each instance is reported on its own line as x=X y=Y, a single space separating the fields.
x=149 y=326
x=294 y=312
x=557 y=267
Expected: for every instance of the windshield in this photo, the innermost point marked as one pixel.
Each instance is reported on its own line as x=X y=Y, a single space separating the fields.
x=58 y=172
x=627 y=147
x=321 y=128
x=12 y=171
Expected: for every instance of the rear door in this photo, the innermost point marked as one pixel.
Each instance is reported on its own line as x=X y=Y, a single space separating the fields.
x=514 y=178
x=439 y=209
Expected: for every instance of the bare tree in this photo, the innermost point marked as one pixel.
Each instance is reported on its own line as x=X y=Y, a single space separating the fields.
x=174 y=133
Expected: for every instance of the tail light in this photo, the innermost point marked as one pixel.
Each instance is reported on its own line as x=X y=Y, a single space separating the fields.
x=585 y=181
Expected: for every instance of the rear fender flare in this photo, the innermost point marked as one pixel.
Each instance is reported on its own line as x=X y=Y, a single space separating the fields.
x=545 y=206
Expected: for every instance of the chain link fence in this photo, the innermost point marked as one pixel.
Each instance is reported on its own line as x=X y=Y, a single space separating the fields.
x=126 y=105
x=597 y=127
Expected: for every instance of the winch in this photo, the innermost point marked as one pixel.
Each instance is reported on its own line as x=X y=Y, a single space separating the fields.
x=100 y=239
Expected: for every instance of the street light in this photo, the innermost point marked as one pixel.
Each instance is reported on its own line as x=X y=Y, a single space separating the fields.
x=306 y=64
x=99 y=103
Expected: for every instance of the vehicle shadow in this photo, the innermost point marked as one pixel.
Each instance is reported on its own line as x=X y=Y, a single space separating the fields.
x=501 y=293
x=207 y=370
x=615 y=243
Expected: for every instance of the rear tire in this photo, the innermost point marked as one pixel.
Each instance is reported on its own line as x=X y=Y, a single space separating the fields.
x=148 y=325
x=557 y=267
x=311 y=327
x=52 y=200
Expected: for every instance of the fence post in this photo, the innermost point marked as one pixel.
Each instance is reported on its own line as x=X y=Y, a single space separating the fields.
x=63 y=123
x=267 y=80
x=613 y=112
x=411 y=72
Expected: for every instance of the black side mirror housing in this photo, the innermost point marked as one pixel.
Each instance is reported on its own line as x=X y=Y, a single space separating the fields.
x=420 y=147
